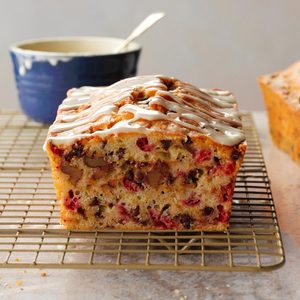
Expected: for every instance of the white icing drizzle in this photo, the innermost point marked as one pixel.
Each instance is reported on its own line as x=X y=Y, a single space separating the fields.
x=209 y=112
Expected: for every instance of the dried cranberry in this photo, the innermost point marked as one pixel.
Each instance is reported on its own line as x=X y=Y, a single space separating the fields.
x=122 y=210
x=202 y=155
x=72 y=204
x=161 y=222
x=180 y=173
x=223 y=215
x=166 y=144
x=131 y=185
x=56 y=150
x=144 y=145
x=229 y=168
x=192 y=200
x=226 y=168
x=227 y=191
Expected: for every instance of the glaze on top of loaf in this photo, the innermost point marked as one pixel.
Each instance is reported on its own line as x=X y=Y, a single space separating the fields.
x=286 y=83
x=147 y=103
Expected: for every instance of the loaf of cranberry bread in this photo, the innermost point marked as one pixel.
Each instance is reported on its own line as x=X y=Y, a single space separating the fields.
x=281 y=92
x=148 y=152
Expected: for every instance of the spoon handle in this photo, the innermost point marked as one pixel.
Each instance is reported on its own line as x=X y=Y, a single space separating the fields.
x=141 y=28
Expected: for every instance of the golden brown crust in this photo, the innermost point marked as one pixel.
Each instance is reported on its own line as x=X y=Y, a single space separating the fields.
x=148 y=103
x=281 y=99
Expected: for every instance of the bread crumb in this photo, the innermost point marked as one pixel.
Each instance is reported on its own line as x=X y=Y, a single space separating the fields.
x=43 y=274
x=176 y=292
x=17 y=259
x=228 y=285
x=19 y=282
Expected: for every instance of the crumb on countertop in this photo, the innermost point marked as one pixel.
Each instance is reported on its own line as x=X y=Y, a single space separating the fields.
x=176 y=292
x=19 y=282
x=43 y=274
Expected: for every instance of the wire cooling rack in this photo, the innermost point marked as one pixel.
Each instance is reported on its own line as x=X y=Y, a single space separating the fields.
x=31 y=236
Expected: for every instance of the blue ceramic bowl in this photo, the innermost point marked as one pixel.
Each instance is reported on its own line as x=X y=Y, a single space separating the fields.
x=45 y=69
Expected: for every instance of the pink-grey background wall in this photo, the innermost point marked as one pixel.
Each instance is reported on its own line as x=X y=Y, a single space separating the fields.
x=224 y=44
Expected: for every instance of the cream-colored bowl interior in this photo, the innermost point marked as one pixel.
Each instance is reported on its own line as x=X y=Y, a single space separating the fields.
x=73 y=46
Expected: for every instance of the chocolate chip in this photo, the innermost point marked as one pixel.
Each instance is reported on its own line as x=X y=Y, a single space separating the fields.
x=77 y=151
x=104 y=143
x=235 y=154
x=186 y=220
x=165 y=207
x=145 y=222
x=140 y=177
x=135 y=211
x=193 y=176
x=207 y=210
x=170 y=179
x=81 y=211
x=94 y=202
x=98 y=214
x=217 y=160
x=166 y=144
x=187 y=141
x=129 y=175
x=120 y=152
x=71 y=194
x=142 y=164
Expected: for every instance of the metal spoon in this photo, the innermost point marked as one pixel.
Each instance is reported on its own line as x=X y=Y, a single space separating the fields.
x=140 y=29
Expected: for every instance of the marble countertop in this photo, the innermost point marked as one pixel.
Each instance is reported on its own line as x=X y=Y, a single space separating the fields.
x=282 y=283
